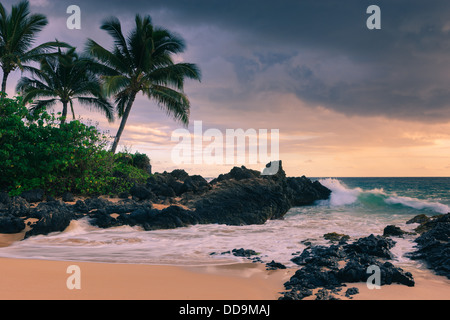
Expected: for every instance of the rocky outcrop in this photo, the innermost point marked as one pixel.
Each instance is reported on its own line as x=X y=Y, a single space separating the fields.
x=392 y=230
x=240 y=197
x=321 y=267
x=56 y=221
x=11 y=224
x=35 y=195
x=244 y=196
x=433 y=244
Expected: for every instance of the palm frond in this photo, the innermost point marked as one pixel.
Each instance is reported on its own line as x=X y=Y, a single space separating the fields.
x=174 y=75
x=109 y=59
x=113 y=27
x=98 y=104
x=42 y=104
x=174 y=103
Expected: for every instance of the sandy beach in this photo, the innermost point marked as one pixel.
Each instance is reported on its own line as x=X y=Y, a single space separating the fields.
x=43 y=279
x=31 y=279
x=25 y=279
x=40 y=279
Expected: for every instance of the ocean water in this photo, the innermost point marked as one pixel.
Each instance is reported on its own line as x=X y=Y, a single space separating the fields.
x=357 y=207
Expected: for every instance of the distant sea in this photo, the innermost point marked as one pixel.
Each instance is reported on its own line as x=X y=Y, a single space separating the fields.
x=357 y=207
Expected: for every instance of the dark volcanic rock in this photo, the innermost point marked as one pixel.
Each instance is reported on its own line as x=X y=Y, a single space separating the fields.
x=321 y=256
x=237 y=203
x=80 y=207
x=377 y=246
x=195 y=184
x=162 y=184
x=5 y=199
x=392 y=230
x=35 y=195
x=244 y=197
x=170 y=218
x=124 y=195
x=421 y=218
x=68 y=197
x=433 y=245
x=272 y=265
x=302 y=191
x=237 y=173
x=321 y=267
x=429 y=224
x=11 y=224
x=44 y=209
x=351 y=291
x=296 y=293
x=97 y=203
x=18 y=207
x=56 y=221
x=141 y=192
x=240 y=197
x=324 y=294
x=356 y=271
x=312 y=277
x=127 y=206
x=336 y=237
x=179 y=174
x=244 y=252
x=101 y=219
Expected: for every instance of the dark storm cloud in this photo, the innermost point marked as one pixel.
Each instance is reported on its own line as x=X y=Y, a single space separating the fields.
x=321 y=51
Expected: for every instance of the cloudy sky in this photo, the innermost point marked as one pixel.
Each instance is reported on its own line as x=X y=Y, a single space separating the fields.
x=347 y=101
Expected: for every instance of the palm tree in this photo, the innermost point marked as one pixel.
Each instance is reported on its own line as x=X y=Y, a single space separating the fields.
x=65 y=77
x=142 y=63
x=17 y=34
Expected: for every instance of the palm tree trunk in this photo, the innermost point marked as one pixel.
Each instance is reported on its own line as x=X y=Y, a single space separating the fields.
x=123 y=122
x=64 y=112
x=5 y=77
x=71 y=108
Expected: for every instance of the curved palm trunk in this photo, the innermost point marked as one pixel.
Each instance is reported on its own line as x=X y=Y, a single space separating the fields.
x=123 y=122
x=71 y=108
x=5 y=77
x=64 y=113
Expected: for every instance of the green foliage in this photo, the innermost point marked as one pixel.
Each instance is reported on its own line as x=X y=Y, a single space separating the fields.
x=37 y=152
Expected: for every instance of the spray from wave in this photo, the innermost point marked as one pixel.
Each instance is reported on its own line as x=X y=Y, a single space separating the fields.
x=342 y=195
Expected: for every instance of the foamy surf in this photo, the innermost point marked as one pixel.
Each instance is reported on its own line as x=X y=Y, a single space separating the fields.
x=343 y=195
x=418 y=204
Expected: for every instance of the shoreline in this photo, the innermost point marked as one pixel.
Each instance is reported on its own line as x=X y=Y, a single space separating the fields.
x=24 y=279
x=31 y=279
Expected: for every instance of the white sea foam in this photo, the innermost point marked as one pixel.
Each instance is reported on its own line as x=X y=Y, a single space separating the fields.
x=341 y=195
x=418 y=204
x=275 y=240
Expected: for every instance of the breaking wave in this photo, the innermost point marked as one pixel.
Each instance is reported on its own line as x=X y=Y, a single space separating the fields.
x=342 y=195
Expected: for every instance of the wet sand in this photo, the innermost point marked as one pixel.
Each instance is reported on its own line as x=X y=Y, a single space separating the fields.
x=42 y=279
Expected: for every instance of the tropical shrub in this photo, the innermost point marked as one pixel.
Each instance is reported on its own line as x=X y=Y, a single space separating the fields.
x=36 y=151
